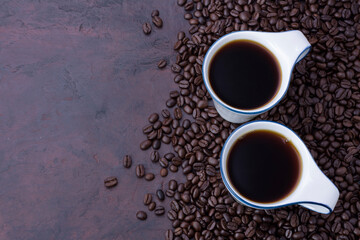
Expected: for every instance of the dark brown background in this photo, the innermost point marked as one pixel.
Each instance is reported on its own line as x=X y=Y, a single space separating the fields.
x=77 y=82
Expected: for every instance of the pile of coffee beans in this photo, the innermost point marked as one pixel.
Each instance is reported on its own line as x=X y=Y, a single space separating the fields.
x=322 y=106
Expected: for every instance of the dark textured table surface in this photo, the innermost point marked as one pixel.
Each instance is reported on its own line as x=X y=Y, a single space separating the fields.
x=77 y=82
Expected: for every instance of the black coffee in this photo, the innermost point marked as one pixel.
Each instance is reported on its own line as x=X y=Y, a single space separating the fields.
x=263 y=166
x=244 y=74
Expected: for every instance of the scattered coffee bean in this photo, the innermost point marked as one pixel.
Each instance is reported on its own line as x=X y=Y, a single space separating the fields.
x=177 y=113
x=170 y=103
x=181 y=2
x=154 y=156
x=147 y=199
x=155 y=13
x=157 y=21
x=172 y=215
x=160 y=194
x=156 y=144
x=145 y=144
x=153 y=117
x=149 y=176
x=169 y=235
x=165 y=113
x=163 y=172
x=110 y=182
x=146 y=28
x=147 y=129
x=163 y=162
x=127 y=161
x=162 y=63
x=173 y=184
x=141 y=215
x=140 y=171
x=160 y=210
x=152 y=206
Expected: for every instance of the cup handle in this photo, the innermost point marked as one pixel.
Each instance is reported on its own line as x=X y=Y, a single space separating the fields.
x=294 y=45
x=321 y=194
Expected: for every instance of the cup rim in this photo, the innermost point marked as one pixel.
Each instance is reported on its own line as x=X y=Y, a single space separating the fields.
x=253 y=204
x=255 y=110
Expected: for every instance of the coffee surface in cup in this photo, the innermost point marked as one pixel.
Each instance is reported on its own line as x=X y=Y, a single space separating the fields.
x=244 y=74
x=263 y=166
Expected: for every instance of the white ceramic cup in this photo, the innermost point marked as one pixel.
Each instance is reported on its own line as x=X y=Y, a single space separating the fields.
x=287 y=47
x=313 y=190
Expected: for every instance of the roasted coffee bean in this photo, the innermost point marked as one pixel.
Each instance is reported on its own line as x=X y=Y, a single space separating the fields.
x=175 y=68
x=232 y=226
x=160 y=194
x=147 y=199
x=175 y=206
x=110 y=182
x=170 y=102
x=149 y=176
x=173 y=185
x=141 y=215
x=298 y=235
x=173 y=168
x=220 y=208
x=156 y=144
x=177 y=45
x=145 y=144
x=159 y=210
x=157 y=21
x=176 y=161
x=146 y=28
x=212 y=201
x=163 y=172
x=163 y=162
x=169 y=235
x=178 y=231
x=174 y=94
x=162 y=63
x=154 y=156
x=153 y=117
x=294 y=221
x=127 y=161
x=165 y=139
x=157 y=125
x=177 y=113
x=140 y=171
x=147 y=129
x=202 y=104
x=169 y=156
x=165 y=113
x=181 y=3
x=152 y=135
x=210 y=170
x=169 y=193
x=155 y=13
x=245 y=16
x=152 y=206
x=250 y=232
x=172 y=215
